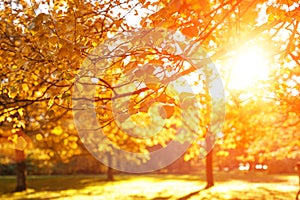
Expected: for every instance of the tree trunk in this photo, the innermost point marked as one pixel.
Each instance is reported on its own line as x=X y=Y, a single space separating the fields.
x=110 y=175
x=209 y=170
x=209 y=161
x=20 y=171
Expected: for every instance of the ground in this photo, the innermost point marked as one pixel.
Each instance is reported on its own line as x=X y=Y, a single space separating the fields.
x=233 y=186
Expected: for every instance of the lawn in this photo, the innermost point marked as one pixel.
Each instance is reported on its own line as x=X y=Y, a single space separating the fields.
x=153 y=186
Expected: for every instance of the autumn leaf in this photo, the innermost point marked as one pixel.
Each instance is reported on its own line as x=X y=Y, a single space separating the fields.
x=57 y=130
x=20 y=144
x=190 y=31
x=167 y=111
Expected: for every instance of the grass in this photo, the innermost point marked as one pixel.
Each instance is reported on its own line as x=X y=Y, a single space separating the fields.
x=234 y=186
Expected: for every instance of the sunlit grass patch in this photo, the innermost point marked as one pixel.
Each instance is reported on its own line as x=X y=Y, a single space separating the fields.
x=251 y=187
x=232 y=186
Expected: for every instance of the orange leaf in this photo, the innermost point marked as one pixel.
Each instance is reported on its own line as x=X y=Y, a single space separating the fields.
x=190 y=31
x=167 y=111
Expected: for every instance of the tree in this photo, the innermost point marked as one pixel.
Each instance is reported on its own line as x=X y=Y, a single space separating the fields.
x=39 y=59
x=222 y=27
x=44 y=131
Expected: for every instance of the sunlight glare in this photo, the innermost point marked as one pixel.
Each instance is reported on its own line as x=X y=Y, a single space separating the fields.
x=250 y=66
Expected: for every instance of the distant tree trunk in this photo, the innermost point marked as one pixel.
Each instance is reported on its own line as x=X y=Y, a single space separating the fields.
x=209 y=170
x=209 y=162
x=110 y=174
x=298 y=170
x=20 y=171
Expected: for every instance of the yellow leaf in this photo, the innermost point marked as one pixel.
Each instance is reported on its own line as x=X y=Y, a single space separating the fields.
x=73 y=145
x=21 y=124
x=13 y=138
x=187 y=157
x=12 y=92
x=9 y=119
x=153 y=86
x=20 y=144
x=57 y=130
x=20 y=111
x=152 y=82
x=66 y=141
x=39 y=137
x=51 y=102
x=94 y=44
x=25 y=87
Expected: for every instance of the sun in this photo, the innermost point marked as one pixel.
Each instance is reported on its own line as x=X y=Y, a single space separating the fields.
x=249 y=66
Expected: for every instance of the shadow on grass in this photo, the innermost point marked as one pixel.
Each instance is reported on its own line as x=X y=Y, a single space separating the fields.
x=192 y=194
x=52 y=183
